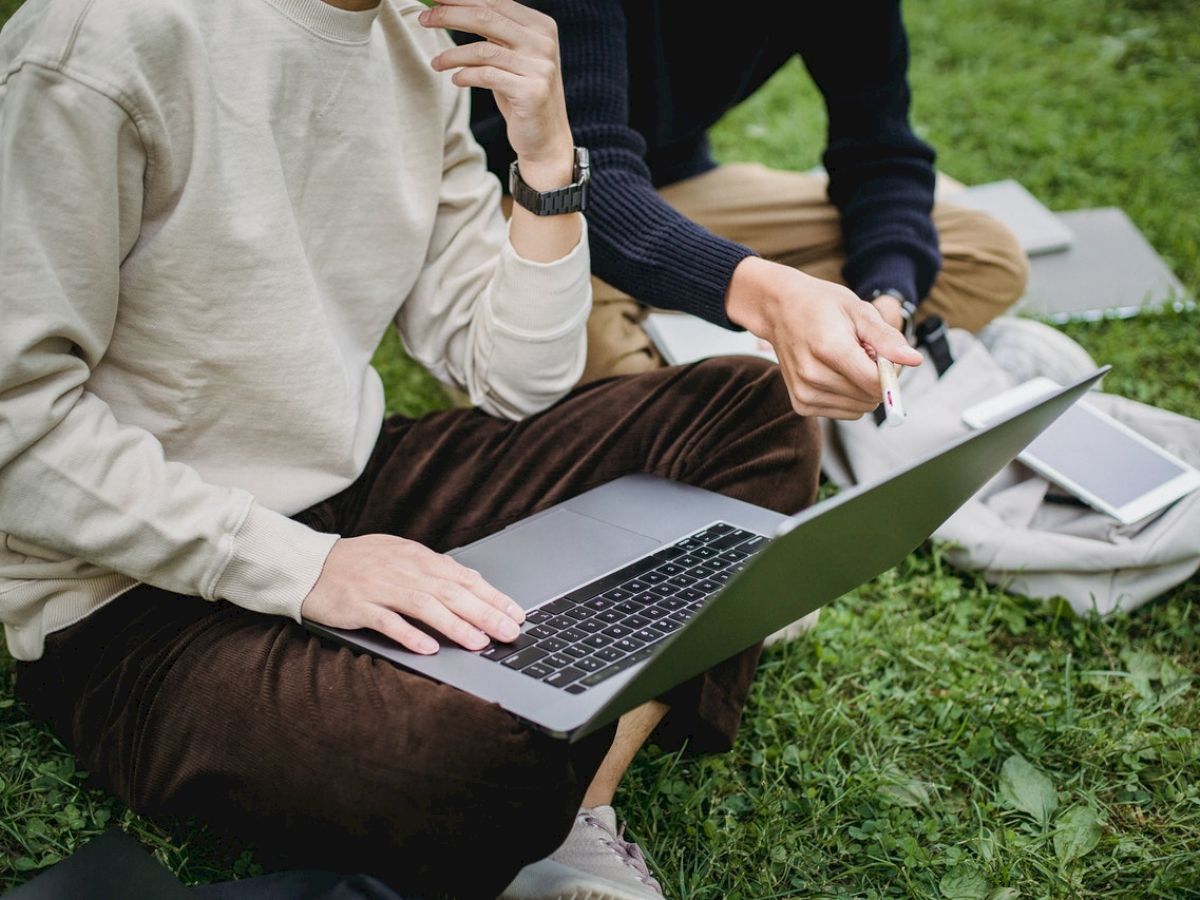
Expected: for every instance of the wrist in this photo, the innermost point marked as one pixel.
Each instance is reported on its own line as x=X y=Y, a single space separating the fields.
x=753 y=295
x=549 y=169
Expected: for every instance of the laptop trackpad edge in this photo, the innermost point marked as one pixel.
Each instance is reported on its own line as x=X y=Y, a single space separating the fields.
x=550 y=554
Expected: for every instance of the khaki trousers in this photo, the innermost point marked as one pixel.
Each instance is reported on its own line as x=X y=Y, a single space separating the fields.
x=786 y=217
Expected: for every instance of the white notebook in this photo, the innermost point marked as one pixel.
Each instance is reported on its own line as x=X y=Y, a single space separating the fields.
x=682 y=338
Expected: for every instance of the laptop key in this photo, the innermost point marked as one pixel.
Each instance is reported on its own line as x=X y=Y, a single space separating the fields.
x=686 y=562
x=558 y=661
x=635 y=622
x=670 y=570
x=522 y=658
x=704 y=552
x=576 y=689
x=608 y=654
x=637 y=586
x=688 y=545
x=682 y=581
x=628 y=607
x=558 y=623
x=552 y=645
x=644 y=598
x=654 y=577
x=557 y=607
x=563 y=677
x=610 y=616
x=753 y=545
x=705 y=571
x=542 y=631
x=616 y=594
x=608 y=582
x=732 y=539
x=537 y=616
x=578 y=612
x=571 y=635
x=617 y=631
x=663 y=590
x=596 y=641
x=537 y=670
x=629 y=644
x=576 y=651
x=734 y=556
x=722 y=577
x=720 y=528
x=668 y=553
x=707 y=586
x=497 y=652
x=590 y=626
x=590 y=664
x=596 y=604
x=649 y=635
x=671 y=603
x=690 y=594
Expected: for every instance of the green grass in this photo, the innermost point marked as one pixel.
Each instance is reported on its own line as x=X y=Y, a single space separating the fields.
x=934 y=737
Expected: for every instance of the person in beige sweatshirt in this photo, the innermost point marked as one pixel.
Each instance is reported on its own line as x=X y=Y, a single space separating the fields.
x=210 y=212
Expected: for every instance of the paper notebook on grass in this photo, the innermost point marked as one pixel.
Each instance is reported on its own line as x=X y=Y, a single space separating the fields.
x=1110 y=270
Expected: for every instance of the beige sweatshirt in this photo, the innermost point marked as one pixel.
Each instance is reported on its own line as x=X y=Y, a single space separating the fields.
x=209 y=214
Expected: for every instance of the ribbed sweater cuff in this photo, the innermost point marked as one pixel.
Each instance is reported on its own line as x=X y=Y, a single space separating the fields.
x=893 y=270
x=275 y=563
x=700 y=279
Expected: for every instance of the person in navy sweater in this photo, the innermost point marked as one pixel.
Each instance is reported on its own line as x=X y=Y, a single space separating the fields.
x=789 y=256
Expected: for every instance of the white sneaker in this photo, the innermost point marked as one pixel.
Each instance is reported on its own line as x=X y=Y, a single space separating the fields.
x=796 y=629
x=1026 y=348
x=595 y=863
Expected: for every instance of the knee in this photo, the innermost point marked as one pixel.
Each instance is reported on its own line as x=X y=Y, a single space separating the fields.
x=1001 y=253
x=984 y=272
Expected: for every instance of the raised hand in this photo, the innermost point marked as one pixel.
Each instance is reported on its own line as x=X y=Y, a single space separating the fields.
x=518 y=61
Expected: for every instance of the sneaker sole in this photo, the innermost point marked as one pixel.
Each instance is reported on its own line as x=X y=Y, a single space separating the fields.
x=553 y=881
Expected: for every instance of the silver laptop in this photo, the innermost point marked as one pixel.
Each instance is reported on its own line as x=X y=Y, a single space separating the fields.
x=639 y=584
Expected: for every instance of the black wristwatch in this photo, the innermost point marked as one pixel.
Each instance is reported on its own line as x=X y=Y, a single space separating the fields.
x=908 y=310
x=569 y=199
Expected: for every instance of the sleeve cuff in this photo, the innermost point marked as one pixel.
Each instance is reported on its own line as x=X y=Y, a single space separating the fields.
x=887 y=272
x=549 y=297
x=274 y=565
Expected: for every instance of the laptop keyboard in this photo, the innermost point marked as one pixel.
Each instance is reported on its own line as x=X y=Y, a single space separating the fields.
x=586 y=636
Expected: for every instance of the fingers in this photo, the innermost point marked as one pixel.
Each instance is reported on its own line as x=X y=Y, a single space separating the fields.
x=883 y=339
x=502 y=21
x=530 y=18
x=387 y=583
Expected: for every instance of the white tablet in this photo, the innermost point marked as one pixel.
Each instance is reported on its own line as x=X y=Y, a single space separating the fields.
x=1104 y=463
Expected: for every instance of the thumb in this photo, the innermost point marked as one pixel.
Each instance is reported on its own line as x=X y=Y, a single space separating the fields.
x=885 y=340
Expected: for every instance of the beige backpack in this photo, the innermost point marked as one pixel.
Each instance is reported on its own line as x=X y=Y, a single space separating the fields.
x=1009 y=531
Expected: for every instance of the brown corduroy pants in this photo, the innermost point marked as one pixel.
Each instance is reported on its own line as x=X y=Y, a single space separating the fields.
x=324 y=758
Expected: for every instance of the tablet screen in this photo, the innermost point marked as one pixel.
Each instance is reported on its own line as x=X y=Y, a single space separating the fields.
x=1101 y=459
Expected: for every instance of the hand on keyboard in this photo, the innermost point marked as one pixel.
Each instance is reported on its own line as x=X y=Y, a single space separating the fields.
x=380 y=582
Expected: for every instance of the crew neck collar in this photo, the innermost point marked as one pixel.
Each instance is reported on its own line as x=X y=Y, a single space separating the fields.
x=327 y=21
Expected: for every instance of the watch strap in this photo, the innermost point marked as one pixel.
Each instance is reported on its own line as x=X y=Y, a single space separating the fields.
x=569 y=199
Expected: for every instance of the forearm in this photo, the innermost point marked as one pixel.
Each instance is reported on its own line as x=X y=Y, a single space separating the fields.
x=546 y=238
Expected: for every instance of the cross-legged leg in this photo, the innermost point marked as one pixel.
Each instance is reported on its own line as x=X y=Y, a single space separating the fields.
x=325 y=758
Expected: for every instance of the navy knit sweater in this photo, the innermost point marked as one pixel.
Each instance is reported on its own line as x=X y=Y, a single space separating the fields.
x=644 y=81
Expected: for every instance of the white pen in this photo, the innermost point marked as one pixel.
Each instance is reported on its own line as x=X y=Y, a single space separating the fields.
x=889 y=387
